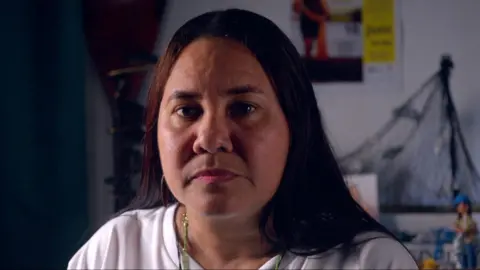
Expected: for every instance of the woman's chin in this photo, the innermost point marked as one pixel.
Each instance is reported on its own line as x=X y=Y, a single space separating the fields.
x=217 y=207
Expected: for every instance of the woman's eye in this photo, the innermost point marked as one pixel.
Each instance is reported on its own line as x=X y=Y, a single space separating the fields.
x=241 y=109
x=189 y=112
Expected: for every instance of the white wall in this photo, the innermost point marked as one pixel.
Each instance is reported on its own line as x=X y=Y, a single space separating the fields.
x=351 y=111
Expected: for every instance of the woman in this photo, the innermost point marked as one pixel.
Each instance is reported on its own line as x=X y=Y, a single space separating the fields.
x=467 y=234
x=238 y=172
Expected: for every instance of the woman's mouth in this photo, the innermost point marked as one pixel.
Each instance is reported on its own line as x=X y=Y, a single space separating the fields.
x=211 y=176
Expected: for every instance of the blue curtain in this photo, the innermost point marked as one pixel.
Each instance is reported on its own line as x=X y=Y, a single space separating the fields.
x=42 y=107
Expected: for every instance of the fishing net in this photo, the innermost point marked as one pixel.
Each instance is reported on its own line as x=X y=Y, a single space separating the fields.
x=413 y=153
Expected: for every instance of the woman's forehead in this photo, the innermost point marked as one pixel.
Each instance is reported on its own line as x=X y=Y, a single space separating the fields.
x=217 y=55
x=216 y=63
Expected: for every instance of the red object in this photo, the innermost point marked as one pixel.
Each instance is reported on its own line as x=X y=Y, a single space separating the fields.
x=117 y=31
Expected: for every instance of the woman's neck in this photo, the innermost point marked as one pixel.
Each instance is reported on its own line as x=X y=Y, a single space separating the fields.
x=221 y=242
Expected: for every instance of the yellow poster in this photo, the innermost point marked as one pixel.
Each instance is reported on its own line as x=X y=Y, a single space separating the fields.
x=378 y=31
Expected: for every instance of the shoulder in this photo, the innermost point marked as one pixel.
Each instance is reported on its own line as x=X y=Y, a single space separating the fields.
x=104 y=248
x=370 y=250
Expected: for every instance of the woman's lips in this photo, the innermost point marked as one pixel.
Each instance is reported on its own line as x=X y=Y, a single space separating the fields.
x=210 y=176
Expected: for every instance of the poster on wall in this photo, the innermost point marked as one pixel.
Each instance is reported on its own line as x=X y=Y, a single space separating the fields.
x=380 y=55
x=346 y=40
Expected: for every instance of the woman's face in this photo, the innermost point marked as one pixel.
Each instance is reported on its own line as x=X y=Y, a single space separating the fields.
x=220 y=120
x=462 y=208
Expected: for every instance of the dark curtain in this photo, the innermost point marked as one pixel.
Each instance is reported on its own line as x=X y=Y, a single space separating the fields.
x=43 y=171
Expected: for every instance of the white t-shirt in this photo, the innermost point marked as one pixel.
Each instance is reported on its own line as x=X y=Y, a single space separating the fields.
x=465 y=221
x=145 y=239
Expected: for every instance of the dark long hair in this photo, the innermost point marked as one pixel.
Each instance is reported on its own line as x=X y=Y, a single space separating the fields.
x=312 y=210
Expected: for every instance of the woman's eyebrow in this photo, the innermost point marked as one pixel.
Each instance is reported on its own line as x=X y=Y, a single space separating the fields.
x=184 y=95
x=244 y=89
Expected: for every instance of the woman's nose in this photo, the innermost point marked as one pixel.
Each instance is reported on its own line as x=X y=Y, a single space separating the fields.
x=213 y=135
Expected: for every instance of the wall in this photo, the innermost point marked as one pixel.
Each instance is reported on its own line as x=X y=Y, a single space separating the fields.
x=353 y=111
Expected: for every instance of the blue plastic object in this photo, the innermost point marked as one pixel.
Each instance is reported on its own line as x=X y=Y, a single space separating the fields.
x=442 y=236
